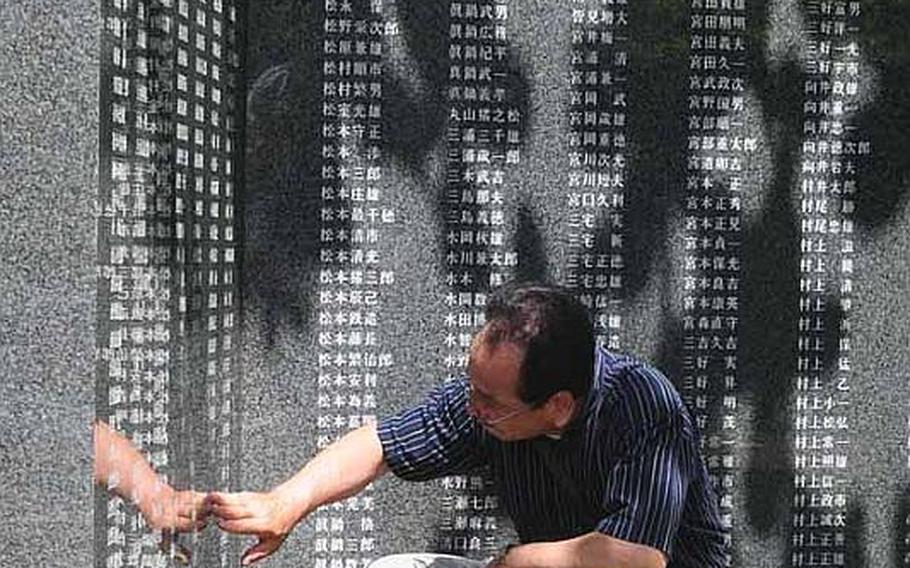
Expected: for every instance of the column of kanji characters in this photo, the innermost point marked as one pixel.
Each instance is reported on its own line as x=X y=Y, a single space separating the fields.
x=827 y=185
x=718 y=146
x=597 y=160
x=483 y=139
x=351 y=356
x=206 y=108
x=136 y=228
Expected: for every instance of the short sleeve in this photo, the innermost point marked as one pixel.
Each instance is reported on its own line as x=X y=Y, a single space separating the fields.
x=649 y=476
x=436 y=438
x=647 y=492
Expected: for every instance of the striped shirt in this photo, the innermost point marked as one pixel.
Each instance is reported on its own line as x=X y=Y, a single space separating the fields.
x=627 y=466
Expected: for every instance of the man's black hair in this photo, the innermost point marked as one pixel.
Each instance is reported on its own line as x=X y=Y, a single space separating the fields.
x=555 y=331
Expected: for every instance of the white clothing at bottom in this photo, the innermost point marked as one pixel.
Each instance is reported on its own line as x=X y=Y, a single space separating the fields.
x=425 y=560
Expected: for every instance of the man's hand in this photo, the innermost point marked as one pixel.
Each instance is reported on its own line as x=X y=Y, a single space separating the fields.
x=175 y=511
x=264 y=515
x=122 y=470
x=339 y=471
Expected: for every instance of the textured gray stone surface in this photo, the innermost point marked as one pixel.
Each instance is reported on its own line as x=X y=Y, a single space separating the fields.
x=280 y=287
x=48 y=149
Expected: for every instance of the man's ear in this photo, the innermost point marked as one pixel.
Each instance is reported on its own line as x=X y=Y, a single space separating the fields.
x=560 y=407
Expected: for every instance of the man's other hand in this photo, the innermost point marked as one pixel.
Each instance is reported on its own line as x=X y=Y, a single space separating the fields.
x=174 y=511
x=264 y=515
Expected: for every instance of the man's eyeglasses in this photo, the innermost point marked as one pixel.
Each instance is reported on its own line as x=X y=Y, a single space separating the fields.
x=475 y=399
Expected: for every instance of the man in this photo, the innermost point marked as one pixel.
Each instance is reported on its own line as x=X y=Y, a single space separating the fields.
x=594 y=471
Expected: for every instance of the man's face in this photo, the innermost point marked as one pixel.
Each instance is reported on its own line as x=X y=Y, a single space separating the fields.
x=493 y=400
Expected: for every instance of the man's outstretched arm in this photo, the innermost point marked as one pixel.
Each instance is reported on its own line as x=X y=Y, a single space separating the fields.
x=341 y=470
x=121 y=469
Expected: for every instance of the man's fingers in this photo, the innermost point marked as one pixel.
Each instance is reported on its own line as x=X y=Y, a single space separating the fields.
x=192 y=511
x=240 y=526
x=198 y=503
x=214 y=498
x=187 y=523
x=229 y=506
x=221 y=498
x=231 y=512
x=260 y=551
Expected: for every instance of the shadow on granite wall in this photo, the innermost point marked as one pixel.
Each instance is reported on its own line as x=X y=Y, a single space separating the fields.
x=416 y=123
x=769 y=296
x=883 y=181
x=284 y=163
x=770 y=292
x=284 y=167
x=900 y=535
x=884 y=178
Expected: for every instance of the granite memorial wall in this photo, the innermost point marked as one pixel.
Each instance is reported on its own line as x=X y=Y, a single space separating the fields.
x=304 y=205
